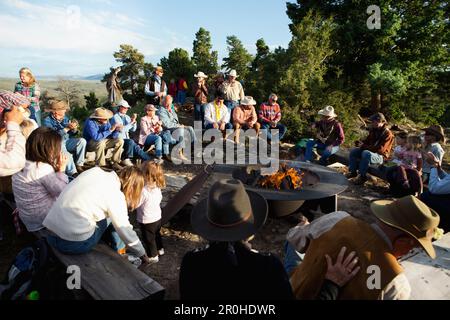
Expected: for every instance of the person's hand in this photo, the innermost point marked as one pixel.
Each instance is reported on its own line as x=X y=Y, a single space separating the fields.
x=329 y=148
x=222 y=126
x=432 y=160
x=119 y=127
x=13 y=116
x=215 y=126
x=358 y=144
x=62 y=162
x=251 y=124
x=273 y=124
x=344 y=270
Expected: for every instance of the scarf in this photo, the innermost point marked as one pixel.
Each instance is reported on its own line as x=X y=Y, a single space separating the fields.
x=218 y=109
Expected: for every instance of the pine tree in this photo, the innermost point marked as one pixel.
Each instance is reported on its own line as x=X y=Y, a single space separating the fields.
x=204 y=59
x=132 y=67
x=238 y=59
x=178 y=64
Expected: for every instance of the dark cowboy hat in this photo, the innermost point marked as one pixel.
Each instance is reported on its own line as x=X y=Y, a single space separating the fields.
x=436 y=131
x=230 y=213
x=412 y=216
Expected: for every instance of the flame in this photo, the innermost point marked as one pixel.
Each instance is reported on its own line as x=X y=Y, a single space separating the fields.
x=293 y=176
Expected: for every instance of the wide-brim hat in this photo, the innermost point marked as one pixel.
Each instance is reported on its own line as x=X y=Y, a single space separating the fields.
x=102 y=113
x=412 y=216
x=200 y=75
x=124 y=104
x=437 y=131
x=248 y=101
x=230 y=213
x=233 y=73
x=328 y=111
x=378 y=117
x=10 y=99
x=57 y=106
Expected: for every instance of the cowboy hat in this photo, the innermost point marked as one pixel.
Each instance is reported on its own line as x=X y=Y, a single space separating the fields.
x=200 y=75
x=378 y=117
x=410 y=215
x=57 y=106
x=233 y=73
x=101 y=113
x=328 y=111
x=248 y=101
x=230 y=213
x=437 y=131
x=123 y=103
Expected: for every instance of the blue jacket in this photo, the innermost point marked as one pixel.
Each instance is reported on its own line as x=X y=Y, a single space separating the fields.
x=124 y=120
x=169 y=119
x=94 y=131
x=59 y=126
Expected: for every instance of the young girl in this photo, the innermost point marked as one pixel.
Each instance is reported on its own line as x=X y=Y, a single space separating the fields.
x=411 y=161
x=401 y=140
x=149 y=211
x=28 y=87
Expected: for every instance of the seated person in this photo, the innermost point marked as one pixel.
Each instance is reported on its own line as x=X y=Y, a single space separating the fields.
x=217 y=115
x=244 y=117
x=128 y=124
x=68 y=129
x=95 y=206
x=375 y=149
x=330 y=135
x=37 y=186
x=270 y=117
x=170 y=123
x=401 y=226
x=434 y=136
x=438 y=194
x=150 y=132
x=101 y=136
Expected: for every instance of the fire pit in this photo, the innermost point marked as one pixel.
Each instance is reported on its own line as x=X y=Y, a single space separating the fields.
x=319 y=186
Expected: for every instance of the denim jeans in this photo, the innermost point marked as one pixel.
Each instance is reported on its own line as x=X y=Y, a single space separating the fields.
x=168 y=140
x=199 y=113
x=104 y=230
x=36 y=115
x=77 y=147
x=231 y=105
x=292 y=258
x=266 y=127
x=365 y=158
x=156 y=140
x=131 y=150
x=228 y=126
x=320 y=146
x=181 y=97
x=70 y=166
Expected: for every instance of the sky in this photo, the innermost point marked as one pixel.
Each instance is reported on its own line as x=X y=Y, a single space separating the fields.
x=61 y=37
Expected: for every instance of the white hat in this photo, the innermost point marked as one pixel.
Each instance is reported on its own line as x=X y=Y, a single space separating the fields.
x=124 y=103
x=200 y=75
x=248 y=101
x=328 y=112
x=233 y=73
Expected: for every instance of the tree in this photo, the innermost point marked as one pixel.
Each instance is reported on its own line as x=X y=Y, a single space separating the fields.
x=68 y=91
x=204 y=59
x=92 y=102
x=238 y=57
x=132 y=67
x=178 y=64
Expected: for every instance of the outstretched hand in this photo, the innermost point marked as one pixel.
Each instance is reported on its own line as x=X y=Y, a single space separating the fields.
x=344 y=270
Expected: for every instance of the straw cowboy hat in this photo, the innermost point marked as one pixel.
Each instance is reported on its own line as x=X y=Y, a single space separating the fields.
x=123 y=103
x=233 y=73
x=412 y=216
x=248 y=101
x=101 y=113
x=328 y=111
x=200 y=75
x=436 y=131
x=57 y=106
x=230 y=213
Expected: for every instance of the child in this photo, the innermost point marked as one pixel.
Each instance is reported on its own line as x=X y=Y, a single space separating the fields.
x=411 y=161
x=28 y=87
x=149 y=211
x=401 y=140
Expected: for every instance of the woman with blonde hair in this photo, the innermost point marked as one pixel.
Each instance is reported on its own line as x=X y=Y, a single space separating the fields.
x=95 y=206
x=29 y=88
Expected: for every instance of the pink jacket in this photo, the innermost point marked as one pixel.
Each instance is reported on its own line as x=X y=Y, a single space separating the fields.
x=148 y=126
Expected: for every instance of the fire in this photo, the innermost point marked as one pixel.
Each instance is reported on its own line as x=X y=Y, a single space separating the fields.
x=285 y=178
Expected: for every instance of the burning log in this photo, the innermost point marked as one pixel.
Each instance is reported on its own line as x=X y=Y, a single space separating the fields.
x=285 y=179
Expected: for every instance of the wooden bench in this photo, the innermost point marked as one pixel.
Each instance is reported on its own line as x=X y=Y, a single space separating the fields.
x=107 y=276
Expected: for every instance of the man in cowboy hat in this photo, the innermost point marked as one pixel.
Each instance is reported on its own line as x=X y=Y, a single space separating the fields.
x=12 y=152
x=270 y=117
x=228 y=268
x=75 y=148
x=244 y=117
x=330 y=135
x=434 y=136
x=200 y=90
x=233 y=90
x=375 y=149
x=401 y=226
x=102 y=136
x=128 y=124
x=156 y=88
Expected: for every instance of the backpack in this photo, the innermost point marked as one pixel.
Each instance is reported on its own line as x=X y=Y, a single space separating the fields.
x=26 y=274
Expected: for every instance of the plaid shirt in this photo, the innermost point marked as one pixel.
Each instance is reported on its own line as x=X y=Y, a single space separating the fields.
x=9 y=100
x=268 y=113
x=33 y=93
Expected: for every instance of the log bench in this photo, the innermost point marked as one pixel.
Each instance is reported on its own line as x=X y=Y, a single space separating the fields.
x=107 y=276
